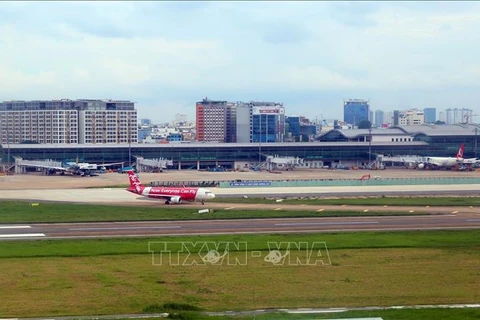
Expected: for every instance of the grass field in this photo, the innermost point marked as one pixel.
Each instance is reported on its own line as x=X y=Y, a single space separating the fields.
x=434 y=313
x=115 y=276
x=371 y=201
x=23 y=212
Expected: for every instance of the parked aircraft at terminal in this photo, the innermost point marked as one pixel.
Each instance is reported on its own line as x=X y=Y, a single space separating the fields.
x=169 y=194
x=448 y=162
x=74 y=168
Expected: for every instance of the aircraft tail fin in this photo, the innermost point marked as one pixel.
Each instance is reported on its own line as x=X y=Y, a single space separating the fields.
x=135 y=185
x=460 y=151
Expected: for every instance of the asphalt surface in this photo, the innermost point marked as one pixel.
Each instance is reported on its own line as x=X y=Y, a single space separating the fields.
x=210 y=227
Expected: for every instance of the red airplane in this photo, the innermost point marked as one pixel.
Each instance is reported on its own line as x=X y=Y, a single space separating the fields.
x=169 y=194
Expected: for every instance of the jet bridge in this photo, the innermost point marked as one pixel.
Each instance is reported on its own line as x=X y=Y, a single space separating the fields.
x=21 y=165
x=281 y=163
x=152 y=165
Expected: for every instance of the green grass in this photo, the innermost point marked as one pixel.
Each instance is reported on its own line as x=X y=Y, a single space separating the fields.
x=131 y=283
x=23 y=212
x=405 y=314
x=117 y=276
x=373 y=201
x=134 y=246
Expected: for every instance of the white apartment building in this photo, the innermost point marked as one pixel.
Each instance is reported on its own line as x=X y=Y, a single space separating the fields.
x=411 y=117
x=42 y=126
x=68 y=121
x=108 y=126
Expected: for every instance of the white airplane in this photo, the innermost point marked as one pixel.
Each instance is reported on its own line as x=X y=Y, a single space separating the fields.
x=83 y=169
x=447 y=162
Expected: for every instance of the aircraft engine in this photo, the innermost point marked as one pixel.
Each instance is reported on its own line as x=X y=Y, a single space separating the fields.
x=175 y=199
x=421 y=166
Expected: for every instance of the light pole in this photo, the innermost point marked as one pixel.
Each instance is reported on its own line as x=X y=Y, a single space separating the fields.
x=476 y=130
x=129 y=144
x=369 y=145
x=260 y=139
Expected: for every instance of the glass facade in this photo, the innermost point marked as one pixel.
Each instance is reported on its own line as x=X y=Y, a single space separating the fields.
x=355 y=111
x=265 y=128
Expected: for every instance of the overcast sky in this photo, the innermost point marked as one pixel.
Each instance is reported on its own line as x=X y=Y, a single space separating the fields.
x=165 y=56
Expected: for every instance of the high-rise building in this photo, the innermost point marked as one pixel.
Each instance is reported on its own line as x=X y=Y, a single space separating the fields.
x=268 y=122
x=411 y=117
x=379 y=118
x=449 y=116
x=214 y=121
x=430 y=115
x=68 y=121
x=356 y=111
x=395 y=118
x=243 y=122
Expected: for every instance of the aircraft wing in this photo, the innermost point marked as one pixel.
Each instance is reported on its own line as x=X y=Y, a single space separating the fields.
x=45 y=167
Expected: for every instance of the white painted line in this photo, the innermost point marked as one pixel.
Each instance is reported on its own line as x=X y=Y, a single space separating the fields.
x=454 y=212
x=366 y=210
x=22 y=235
x=276 y=209
x=324 y=223
x=411 y=211
x=320 y=210
x=124 y=228
x=14 y=227
x=230 y=208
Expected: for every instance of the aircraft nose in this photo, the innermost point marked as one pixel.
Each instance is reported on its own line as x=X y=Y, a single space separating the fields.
x=211 y=196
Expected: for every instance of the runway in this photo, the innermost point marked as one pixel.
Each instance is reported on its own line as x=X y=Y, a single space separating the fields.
x=119 y=195
x=237 y=226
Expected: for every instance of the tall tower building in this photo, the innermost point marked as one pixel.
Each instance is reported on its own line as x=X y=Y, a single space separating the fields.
x=379 y=118
x=355 y=111
x=430 y=115
x=215 y=121
x=268 y=122
x=449 y=119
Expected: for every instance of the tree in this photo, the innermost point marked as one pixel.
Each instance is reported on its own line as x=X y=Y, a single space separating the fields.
x=364 y=124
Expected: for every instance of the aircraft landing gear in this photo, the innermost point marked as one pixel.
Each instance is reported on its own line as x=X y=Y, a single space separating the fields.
x=167 y=202
x=203 y=202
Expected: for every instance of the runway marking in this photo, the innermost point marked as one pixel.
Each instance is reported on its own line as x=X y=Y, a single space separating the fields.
x=454 y=212
x=320 y=210
x=276 y=209
x=324 y=223
x=230 y=208
x=411 y=211
x=124 y=228
x=366 y=210
x=14 y=227
x=22 y=235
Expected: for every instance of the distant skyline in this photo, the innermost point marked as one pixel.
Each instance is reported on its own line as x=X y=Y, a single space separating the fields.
x=311 y=56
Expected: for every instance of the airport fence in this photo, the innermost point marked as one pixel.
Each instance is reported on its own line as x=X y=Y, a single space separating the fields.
x=317 y=182
x=346 y=182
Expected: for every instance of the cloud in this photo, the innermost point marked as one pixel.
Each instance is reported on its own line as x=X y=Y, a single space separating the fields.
x=169 y=54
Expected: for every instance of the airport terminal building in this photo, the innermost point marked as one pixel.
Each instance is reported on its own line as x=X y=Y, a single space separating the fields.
x=356 y=147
